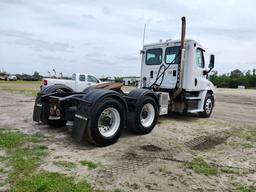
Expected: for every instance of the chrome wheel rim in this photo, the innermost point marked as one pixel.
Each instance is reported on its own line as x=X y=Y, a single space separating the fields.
x=208 y=106
x=109 y=122
x=147 y=115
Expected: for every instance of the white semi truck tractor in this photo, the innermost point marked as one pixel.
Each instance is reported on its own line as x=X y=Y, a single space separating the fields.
x=174 y=78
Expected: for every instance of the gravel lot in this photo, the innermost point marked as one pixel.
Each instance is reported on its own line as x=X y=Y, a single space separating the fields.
x=157 y=161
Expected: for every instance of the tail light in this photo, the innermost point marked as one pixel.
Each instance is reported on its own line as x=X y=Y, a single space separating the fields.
x=45 y=82
x=51 y=111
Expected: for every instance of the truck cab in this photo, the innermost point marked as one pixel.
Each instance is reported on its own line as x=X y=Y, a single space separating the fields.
x=166 y=67
x=84 y=80
x=167 y=54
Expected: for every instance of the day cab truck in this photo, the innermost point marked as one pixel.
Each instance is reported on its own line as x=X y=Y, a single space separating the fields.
x=174 y=78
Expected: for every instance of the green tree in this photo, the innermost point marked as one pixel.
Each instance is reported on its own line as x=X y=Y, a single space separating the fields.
x=119 y=79
x=37 y=75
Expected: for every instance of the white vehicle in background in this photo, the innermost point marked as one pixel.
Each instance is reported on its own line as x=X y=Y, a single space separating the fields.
x=12 y=78
x=78 y=83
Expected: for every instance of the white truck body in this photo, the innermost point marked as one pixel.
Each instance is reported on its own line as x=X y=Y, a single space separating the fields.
x=194 y=65
x=78 y=83
x=194 y=81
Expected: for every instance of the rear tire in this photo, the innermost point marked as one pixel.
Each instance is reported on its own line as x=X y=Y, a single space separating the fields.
x=144 y=119
x=208 y=106
x=107 y=122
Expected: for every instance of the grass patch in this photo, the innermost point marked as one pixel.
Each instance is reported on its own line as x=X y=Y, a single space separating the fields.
x=198 y=165
x=51 y=182
x=29 y=88
x=242 y=138
x=89 y=164
x=24 y=155
x=27 y=92
x=247 y=145
x=22 y=82
x=248 y=135
x=65 y=164
x=11 y=140
x=243 y=188
x=235 y=143
x=229 y=170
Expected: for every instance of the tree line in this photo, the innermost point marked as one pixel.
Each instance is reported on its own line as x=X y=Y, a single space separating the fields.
x=234 y=79
x=26 y=77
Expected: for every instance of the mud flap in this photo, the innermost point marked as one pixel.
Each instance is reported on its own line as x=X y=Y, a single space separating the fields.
x=79 y=128
x=37 y=112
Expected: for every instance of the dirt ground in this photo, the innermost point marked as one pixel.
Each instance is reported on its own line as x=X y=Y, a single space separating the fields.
x=156 y=161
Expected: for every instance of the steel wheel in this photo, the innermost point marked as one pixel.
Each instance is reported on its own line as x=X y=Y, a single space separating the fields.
x=208 y=106
x=109 y=122
x=147 y=115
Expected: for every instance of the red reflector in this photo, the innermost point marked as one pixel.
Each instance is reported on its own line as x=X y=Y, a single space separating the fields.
x=51 y=111
x=45 y=82
x=58 y=112
x=51 y=100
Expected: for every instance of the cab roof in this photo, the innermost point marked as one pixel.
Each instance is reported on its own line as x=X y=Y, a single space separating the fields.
x=171 y=42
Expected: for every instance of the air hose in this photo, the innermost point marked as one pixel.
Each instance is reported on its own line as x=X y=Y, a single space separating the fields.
x=163 y=73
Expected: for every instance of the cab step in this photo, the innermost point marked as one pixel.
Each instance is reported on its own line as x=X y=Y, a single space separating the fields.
x=195 y=110
x=193 y=98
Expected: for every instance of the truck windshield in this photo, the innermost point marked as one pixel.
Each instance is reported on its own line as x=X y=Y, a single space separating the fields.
x=154 y=56
x=171 y=55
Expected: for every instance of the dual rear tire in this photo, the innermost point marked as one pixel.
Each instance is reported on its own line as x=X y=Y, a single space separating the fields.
x=109 y=118
x=144 y=119
x=107 y=122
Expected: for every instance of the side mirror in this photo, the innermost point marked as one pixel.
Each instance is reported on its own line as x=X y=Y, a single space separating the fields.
x=211 y=64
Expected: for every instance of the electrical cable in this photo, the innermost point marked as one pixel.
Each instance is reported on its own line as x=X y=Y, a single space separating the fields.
x=163 y=73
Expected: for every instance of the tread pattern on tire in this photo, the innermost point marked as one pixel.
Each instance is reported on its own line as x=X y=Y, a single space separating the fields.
x=92 y=133
x=133 y=122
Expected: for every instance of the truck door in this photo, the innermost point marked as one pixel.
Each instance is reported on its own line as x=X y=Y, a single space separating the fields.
x=81 y=83
x=91 y=80
x=171 y=60
x=200 y=78
x=150 y=64
x=154 y=63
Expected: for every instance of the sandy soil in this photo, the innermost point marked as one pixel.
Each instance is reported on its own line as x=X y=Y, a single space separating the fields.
x=153 y=162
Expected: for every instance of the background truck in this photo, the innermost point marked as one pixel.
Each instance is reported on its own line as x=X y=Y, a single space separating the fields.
x=12 y=78
x=174 y=78
x=78 y=83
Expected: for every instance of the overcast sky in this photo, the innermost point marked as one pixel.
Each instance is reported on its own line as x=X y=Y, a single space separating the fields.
x=105 y=37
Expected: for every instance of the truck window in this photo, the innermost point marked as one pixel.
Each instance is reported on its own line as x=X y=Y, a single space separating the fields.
x=81 y=77
x=92 y=79
x=171 y=54
x=200 y=58
x=154 y=56
x=73 y=77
